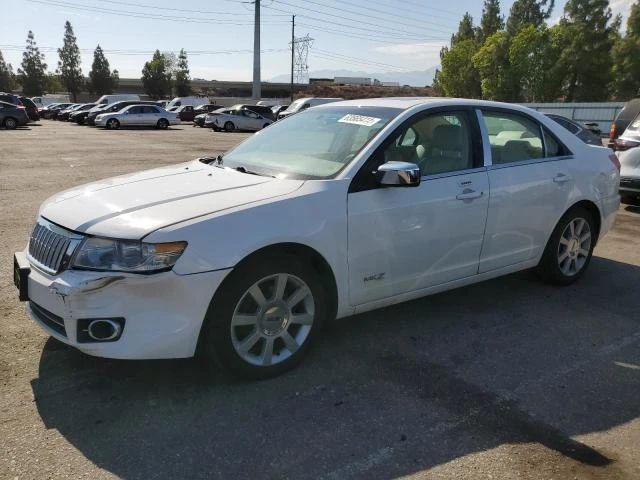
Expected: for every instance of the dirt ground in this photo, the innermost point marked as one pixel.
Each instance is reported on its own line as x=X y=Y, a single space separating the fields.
x=510 y=378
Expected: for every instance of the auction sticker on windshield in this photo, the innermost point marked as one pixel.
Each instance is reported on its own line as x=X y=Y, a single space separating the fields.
x=359 y=120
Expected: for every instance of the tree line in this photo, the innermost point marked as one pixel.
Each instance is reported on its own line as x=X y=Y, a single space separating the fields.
x=583 y=57
x=162 y=74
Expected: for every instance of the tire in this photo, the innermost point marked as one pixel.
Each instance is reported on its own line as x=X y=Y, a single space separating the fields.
x=163 y=124
x=569 y=249
x=258 y=339
x=113 y=124
x=229 y=126
x=10 y=123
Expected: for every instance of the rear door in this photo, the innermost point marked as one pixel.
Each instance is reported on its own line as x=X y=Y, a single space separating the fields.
x=531 y=180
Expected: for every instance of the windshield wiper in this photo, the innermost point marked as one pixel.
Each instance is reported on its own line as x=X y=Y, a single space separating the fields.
x=251 y=172
x=216 y=161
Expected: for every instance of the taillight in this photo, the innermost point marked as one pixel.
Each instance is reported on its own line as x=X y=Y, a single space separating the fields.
x=622 y=144
x=612 y=131
x=615 y=161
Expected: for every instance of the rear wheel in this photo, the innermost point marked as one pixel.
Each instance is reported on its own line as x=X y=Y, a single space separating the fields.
x=10 y=123
x=163 y=123
x=113 y=124
x=229 y=126
x=569 y=249
x=264 y=317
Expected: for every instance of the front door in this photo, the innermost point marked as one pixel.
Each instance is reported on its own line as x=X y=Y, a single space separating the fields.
x=403 y=239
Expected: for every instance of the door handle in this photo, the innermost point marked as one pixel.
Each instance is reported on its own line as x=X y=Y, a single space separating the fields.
x=561 y=178
x=468 y=194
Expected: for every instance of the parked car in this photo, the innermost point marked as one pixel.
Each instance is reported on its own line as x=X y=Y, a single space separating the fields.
x=32 y=109
x=193 y=101
x=52 y=112
x=46 y=100
x=265 y=111
x=303 y=103
x=79 y=116
x=188 y=113
x=627 y=147
x=341 y=209
x=580 y=131
x=138 y=115
x=122 y=97
x=239 y=118
x=59 y=114
x=630 y=111
x=10 y=98
x=113 y=107
x=12 y=115
x=198 y=120
x=67 y=114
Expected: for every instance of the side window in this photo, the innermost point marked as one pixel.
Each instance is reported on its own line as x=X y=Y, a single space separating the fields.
x=512 y=137
x=134 y=110
x=250 y=114
x=437 y=143
x=554 y=148
x=150 y=110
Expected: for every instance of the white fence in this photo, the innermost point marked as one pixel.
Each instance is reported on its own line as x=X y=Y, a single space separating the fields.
x=602 y=113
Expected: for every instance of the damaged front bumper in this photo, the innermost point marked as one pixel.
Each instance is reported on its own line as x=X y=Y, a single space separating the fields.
x=161 y=314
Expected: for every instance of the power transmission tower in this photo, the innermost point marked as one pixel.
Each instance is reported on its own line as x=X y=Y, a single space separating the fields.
x=300 y=49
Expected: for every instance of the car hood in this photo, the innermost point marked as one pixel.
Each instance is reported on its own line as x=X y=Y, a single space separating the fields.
x=132 y=206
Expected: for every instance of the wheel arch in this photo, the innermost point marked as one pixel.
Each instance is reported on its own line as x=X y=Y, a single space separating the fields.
x=306 y=254
x=593 y=209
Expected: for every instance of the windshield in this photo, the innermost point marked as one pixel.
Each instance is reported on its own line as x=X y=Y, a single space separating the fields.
x=295 y=105
x=315 y=144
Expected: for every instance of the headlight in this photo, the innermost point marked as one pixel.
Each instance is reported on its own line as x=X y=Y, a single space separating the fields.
x=99 y=117
x=97 y=253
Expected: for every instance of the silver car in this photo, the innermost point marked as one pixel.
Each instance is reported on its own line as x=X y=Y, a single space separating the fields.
x=138 y=115
x=230 y=119
x=627 y=147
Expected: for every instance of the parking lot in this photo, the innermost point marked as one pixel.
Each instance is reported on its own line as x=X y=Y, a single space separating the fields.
x=510 y=378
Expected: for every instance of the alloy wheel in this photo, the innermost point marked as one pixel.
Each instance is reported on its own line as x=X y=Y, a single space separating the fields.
x=574 y=247
x=272 y=320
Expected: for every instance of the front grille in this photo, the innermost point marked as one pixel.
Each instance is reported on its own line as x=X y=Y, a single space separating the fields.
x=51 y=246
x=51 y=320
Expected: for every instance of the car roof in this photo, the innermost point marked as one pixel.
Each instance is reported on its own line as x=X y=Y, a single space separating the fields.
x=405 y=103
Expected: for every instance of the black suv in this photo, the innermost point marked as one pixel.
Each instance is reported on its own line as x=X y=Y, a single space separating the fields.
x=32 y=109
x=10 y=98
x=90 y=118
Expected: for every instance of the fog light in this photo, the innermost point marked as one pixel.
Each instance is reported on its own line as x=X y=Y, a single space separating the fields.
x=94 y=330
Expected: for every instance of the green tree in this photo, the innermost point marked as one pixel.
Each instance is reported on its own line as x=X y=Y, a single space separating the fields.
x=156 y=78
x=459 y=77
x=496 y=76
x=7 y=78
x=32 y=74
x=69 y=63
x=491 y=20
x=533 y=56
x=528 y=12
x=465 y=30
x=182 y=81
x=101 y=80
x=53 y=83
x=626 y=58
x=586 y=57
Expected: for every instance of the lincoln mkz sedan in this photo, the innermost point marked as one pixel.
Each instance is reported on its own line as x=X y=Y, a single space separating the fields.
x=340 y=209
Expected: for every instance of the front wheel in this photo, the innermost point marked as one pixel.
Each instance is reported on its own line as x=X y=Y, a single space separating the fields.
x=113 y=124
x=264 y=317
x=569 y=249
x=229 y=126
x=10 y=123
x=163 y=123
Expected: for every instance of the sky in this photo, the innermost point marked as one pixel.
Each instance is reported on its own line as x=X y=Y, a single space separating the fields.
x=365 y=35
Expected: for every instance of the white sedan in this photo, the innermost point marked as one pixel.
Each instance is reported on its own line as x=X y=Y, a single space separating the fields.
x=138 y=115
x=341 y=209
x=627 y=147
x=236 y=118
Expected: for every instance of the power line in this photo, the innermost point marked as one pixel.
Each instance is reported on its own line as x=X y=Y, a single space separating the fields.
x=44 y=49
x=367 y=15
x=372 y=38
x=155 y=7
x=377 y=30
x=149 y=16
x=376 y=34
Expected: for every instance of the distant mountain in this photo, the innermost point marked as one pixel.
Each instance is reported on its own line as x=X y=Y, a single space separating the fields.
x=417 y=78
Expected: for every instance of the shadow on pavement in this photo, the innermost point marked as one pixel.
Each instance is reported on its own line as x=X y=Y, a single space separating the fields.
x=384 y=394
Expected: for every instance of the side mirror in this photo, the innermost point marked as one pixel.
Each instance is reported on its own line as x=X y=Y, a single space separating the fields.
x=398 y=174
